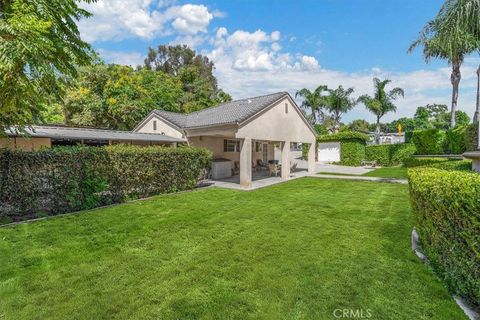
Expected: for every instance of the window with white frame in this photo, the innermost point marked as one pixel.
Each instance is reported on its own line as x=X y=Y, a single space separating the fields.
x=231 y=145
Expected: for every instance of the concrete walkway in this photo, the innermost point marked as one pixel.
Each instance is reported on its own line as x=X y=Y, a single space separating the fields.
x=332 y=176
x=260 y=179
x=334 y=168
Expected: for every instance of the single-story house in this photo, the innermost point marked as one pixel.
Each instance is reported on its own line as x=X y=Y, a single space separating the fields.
x=242 y=131
x=37 y=137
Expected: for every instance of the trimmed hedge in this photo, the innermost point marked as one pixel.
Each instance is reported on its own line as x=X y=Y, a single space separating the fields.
x=446 y=207
x=455 y=140
x=471 y=137
x=424 y=161
x=454 y=165
x=389 y=154
x=431 y=141
x=60 y=180
x=352 y=152
x=352 y=146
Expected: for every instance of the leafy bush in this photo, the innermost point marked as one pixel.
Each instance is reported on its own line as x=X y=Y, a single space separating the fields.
x=352 y=153
x=429 y=142
x=447 y=217
x=455 y=140
x=389 y=154
x=352 y=146
x=67 y=179
x=454 y=165
x=423 y=161
x=471 y=137
x=408 y=136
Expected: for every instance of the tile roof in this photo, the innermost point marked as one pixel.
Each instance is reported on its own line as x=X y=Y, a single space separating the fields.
x=58 y=132
x=226 y=113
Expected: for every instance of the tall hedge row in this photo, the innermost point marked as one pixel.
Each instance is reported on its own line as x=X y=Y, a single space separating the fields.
x=471 y=137
x=60 y=180
x=429 y=141
x=389 y=154
x=352 y=146
x=446 y=205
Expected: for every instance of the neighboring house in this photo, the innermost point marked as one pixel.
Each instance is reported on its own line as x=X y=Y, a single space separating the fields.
x=387 y=138
x=242 y=131
x=38 y=137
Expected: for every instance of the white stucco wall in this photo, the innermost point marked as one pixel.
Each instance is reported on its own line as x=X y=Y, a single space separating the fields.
x=277 y=125
x=162 y=128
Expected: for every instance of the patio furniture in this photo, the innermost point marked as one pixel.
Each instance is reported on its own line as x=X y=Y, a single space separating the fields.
x=273 y=169
x=293 y=167
x=261 y=164
x=236 y=168
x=366 y=163
x=254 y=166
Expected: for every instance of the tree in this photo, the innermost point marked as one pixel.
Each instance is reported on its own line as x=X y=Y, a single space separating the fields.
x=339 y=102
x=40 y=49
x=195 y=71
x=313 y=101
x=359 y=125
x=408 y=124
x=118 y=97
x=450 y=44
x=381 y=102
x=422 y=119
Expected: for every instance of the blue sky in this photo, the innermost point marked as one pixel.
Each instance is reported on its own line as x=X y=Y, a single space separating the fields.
x=260 y=47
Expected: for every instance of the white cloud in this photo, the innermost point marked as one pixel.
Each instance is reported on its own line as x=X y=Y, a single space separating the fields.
x=190 y=19
x=255 y=51
x=421 y=86
x=119 y=57
x=146 y=19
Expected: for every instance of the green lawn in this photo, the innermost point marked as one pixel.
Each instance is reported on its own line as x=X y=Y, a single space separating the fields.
x=388 y=172
x=297 y=250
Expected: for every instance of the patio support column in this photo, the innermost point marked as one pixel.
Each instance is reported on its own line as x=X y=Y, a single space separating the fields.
x=246 y=163
x=285 y=146
x=311 y=157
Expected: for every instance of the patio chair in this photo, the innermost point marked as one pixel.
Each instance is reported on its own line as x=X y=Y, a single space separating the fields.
x=261 y=164
x=293 y=167
x=254 y=166
x=273 y=169
x=236 y=168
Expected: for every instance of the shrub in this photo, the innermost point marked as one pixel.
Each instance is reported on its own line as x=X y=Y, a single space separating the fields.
x=408 y=136
x=67 y=179
x=455 y=140
x=429 y=142
x=389 y=154
x=352 y=153
x=352 y=146
x=446 y=207
x=424 y=161
x=454 y=165
x=471 y=137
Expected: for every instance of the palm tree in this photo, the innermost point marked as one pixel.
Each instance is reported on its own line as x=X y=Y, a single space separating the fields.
x=381 y=102
x=463 y=16
x=339 y=102
x=450 y=44
x=460 y=15
x=476 y=117
x=313 y=101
